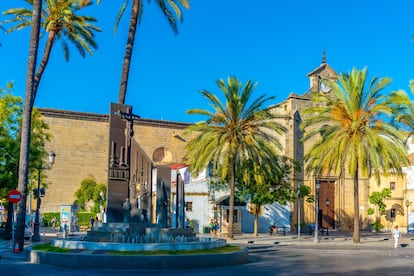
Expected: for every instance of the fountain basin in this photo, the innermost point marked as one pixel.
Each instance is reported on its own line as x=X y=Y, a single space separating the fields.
x=202 y=243
x=91 y=253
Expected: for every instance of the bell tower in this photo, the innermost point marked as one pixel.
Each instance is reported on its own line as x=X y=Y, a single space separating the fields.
x=323 y=72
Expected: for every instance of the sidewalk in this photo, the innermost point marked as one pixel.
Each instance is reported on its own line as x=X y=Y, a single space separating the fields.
x=333 y=240
x=7 y=251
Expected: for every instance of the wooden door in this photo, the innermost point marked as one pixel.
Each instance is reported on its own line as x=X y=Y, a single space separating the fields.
x=327 y=203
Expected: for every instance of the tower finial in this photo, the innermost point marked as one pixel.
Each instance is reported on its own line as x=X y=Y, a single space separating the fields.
x=323 y=56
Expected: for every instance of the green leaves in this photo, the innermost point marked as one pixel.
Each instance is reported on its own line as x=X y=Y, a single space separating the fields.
x=236 y=131
x=90 y=195
x=354 y=128
x=11 y=108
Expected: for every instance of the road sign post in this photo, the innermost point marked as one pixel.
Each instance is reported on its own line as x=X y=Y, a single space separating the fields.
x=14 y=196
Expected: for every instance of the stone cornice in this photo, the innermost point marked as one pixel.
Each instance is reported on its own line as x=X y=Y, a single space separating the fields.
x=75 y=115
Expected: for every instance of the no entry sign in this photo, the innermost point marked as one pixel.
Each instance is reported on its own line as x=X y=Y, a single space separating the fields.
x=14 y=196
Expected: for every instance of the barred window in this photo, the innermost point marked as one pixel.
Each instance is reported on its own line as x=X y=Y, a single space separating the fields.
x=189 y=206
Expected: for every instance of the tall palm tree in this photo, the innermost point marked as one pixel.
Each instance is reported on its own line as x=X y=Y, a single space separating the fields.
x=26 y=122
x=171 y=10
x=60 y=21
x=240 y=128
x=355 y=131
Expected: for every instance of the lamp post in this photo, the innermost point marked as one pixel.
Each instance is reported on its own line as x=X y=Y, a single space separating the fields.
x=36 y=230
x=299 y=197
x=327 y=203
x=317 y=185
x=408 y=203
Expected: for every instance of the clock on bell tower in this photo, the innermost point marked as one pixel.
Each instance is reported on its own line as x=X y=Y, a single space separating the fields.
x=321 y=76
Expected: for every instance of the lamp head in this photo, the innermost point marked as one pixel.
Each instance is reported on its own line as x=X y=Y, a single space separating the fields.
x=52 y=156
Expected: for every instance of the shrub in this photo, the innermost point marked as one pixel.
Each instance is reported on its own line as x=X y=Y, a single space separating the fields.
x=47 y=219
x=83 y=218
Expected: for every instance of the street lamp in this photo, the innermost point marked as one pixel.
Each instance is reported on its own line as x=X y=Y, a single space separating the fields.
x=327 y=203
x=408 y=203
x=317 y=185
x=38 y=194
x=299 y=197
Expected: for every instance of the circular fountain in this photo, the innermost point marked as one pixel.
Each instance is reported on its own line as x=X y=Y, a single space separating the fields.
x=104 y=239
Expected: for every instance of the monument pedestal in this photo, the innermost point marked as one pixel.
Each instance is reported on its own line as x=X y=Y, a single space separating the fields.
x=120 y=232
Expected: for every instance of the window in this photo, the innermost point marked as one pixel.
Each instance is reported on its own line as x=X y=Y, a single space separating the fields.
x=189 y=206
x=392 y=214
x=392 y=186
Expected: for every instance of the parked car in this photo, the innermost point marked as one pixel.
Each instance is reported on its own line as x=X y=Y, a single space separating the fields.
x=27 y=232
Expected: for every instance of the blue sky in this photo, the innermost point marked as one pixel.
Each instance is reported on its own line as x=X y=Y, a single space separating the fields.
x=275 y=43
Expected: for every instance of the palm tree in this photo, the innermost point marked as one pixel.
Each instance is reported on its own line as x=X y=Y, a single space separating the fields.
x=239 y=129
x=26 y=122
x=171 y=10
x=60 y=22
x=355 y=131
x=405 y=110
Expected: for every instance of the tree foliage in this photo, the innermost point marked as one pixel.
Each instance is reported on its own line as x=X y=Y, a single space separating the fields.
x=266 y=183
x=171 y=9
x=239 y=129
x=377 y=199
x=355 y=132
x=10 y=123
x=61 y=21
x=90 y=192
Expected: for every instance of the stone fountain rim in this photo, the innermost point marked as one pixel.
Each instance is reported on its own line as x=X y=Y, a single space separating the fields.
x=88 y=245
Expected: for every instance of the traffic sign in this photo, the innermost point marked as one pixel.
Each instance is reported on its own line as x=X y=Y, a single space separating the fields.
x=14 y=196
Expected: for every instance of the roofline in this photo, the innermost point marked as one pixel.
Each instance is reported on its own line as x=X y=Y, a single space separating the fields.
x=76 y=115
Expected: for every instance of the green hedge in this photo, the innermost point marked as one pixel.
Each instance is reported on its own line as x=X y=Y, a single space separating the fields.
x=47 y=219
x=83 y=218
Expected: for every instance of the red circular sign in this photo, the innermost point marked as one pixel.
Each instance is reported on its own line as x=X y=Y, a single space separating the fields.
x=14 y=196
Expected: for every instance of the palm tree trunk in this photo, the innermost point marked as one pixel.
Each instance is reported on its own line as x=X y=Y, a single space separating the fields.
x=43 y=62
x=256 y=220
x=231 y=199
x=26 y=122
x=355 y=236
x=136 y=4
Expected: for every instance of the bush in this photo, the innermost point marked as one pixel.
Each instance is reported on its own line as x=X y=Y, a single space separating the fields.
x=47 y=219
x=83 y=218
x=377 y=226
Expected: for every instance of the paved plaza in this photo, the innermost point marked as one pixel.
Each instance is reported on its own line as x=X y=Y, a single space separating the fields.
x=268 y=255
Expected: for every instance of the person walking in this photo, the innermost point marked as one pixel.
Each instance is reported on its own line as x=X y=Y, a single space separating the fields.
x=397 y=235
x=54 y=223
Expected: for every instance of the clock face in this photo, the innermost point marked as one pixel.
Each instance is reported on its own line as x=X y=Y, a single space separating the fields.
x=324 y=88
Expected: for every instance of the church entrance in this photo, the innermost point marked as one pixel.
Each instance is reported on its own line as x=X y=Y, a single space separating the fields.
x=327 y=203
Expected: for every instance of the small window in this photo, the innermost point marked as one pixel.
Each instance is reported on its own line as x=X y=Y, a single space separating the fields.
x=189 y=206
x=392 y=186
x=392 y=214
